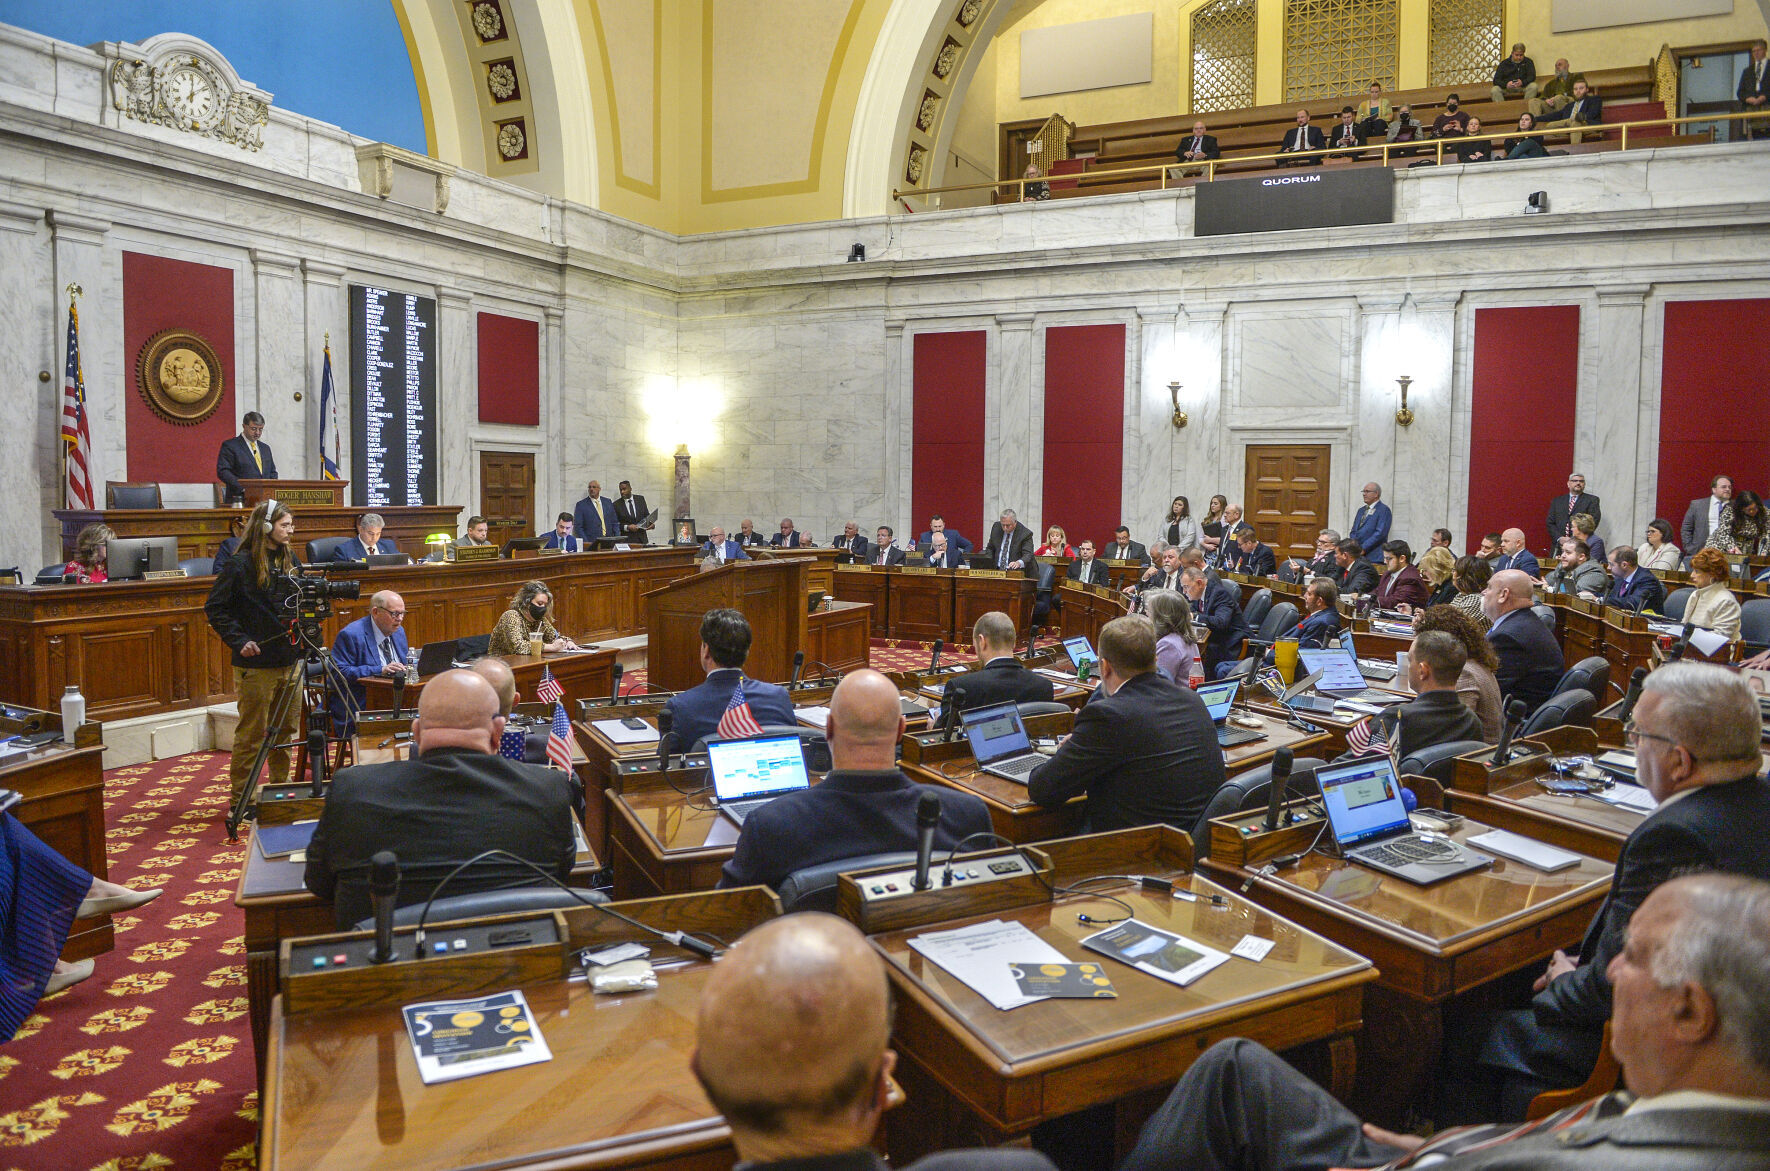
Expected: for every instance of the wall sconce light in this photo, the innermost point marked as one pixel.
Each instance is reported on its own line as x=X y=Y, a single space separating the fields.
x=1404 y=416
x=1180 y=419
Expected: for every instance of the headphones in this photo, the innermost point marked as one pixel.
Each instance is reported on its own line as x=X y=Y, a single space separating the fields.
x=270 y=508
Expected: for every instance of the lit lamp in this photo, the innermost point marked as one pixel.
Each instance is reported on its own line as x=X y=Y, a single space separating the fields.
x=441 y=546
x=1404 y=416
x=1180 y=419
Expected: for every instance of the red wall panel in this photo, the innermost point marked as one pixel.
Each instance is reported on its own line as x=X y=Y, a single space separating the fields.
x=1714 y=395
x=509 y=370
x=946 y=449
x=158 y=294
x=1525 y=380
x=1084 y=431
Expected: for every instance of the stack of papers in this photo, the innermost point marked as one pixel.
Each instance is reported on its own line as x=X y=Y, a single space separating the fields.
x=1629 y=797
x=983 y=956
x=817 y=716
x=619 y=733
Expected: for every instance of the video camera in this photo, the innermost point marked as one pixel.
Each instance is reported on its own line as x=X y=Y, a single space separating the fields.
x=309 y=600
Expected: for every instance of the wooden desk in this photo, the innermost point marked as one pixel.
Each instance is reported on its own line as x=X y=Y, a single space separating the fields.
x=62 y=787
x=978 y=592
x=1006 y=1072
x=342 y=1088
x=1579 y=823
x=200 y=531
x=1430 y=943
x=1087 y=608
x=922 y=604
x=839 y=638
x=869 y=585
x=931 y=604
x=660 y=843
x=583 y=674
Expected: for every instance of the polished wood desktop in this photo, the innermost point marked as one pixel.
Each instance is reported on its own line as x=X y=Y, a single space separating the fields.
x=200 y=531
x=61 y=787
x=341 y=1088
x=585 y=674
x=663 y=840
x=998 y=1074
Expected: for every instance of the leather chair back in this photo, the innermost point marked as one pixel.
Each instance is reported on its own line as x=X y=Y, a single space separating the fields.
x=198 y=566
x=1249 y=791
x=322 y=549
x=1676 y=601
x=1436 y=761
x=491 y=902
x=1589 y=674
x=131 y=494
x=1754 y=623
x=1574 y=706
x=1041 y=707
x=1257 y=608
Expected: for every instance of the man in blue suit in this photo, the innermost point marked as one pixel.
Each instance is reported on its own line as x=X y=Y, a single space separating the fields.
x=1633 y=588
x=594 y=516
x=1321 y=617
x=725 y=644
x=789 y=537
x=1513 y=555
x=562 y=537
x=1370 y=527
x=372 y=645
x=721 y=549
x=955 y=541
x=368 y=540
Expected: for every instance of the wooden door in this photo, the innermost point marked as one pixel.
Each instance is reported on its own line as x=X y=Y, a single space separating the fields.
x=507 y=493
x=1286 y=497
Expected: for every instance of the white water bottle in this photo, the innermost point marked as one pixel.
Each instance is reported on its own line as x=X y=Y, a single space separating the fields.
x=73 y=712
x=412 y=665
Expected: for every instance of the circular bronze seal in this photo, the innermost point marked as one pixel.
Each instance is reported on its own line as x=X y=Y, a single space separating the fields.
x=179 y=376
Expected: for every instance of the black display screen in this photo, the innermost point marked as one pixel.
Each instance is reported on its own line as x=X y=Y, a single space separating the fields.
x=393 y=452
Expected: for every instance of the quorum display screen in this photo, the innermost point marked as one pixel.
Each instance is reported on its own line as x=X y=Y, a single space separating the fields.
x=393 y=398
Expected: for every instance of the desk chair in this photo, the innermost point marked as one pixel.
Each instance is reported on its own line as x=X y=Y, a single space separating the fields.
x=1041 y=707
x=322 y=549
x=1754 y=624
x=1248 y=791
x=1258 y=607
x=1605 y=1076
x=198 y=566
x=492 y=902
x=1437 y=762
x=1546 y=614
x=1589 y=674
x=813 y=888
x=1280 y=618
x=1676 y=601
x=51 y=574
x=1043 y=593
x=131 y=494
x=1574 y=706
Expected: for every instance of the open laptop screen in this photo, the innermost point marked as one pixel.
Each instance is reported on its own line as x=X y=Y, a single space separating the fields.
x=1363 y=799
x=1339 y=670
x=1080 y=652
x=995 y=732
x=1219 y=698
x=745 y=769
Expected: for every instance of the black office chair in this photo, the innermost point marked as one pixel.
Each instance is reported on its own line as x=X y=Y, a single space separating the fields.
x=472 y=646
x=1589 y=674
x=1249 y=790
x=492 y=902
x=1547 y=615
x=1754 y=624
x=1676 y=601
x=1243 y=672
x=1282 y=617
x=131 y=494
x=51 y=574
x=1043 y=593
x=1438 y=761
x=813 y=888
x=1258 y=607
x=812 y=744
x=1041 y=707
x=322 y=549
x=197 y=566
x=1575 y=706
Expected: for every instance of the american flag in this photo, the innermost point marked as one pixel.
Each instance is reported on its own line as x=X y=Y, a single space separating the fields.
x=1368 y=737
x=559 y=740
x=76 y=436
x=738 y=720
x=549 y=690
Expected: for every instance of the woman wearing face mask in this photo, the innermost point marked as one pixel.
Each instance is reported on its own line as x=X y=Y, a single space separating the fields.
x=531 y=610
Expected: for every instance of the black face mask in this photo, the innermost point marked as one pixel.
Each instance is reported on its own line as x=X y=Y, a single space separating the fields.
x=537 y=612
x=1451 y=106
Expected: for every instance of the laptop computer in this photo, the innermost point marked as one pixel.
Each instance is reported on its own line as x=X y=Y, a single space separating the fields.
x=748 y=774
x=1297 y=696
x=1219 y=698
x=999 y=742
x=1340 y=676
x=1368 y=820
x=377 y=560
x=1080 y=653
x=1371 y=668
x=437 y=656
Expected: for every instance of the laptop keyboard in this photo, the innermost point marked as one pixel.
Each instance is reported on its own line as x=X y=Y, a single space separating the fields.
x=1019 y=768
x=742 y=809
x=1404 y=852
x=1377 y=668
x=1228 y=737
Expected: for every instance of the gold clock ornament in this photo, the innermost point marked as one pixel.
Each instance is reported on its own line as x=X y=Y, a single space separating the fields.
x=179 y=376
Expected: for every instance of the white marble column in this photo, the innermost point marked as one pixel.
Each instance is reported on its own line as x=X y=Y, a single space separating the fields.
x=281 y=375
x=1013 y=434
x=326 y=313
x=1617 y=400
x=900 y=435
x=1148 y=466
x=1421 y=495
x=457 y=397
x=81 y=258
x=29 y=349
x=1196 y=451
x=551 y=457
x=1375 y=438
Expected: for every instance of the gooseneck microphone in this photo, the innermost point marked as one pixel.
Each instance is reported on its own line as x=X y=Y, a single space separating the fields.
x=939 y=645
x=1032 y=638
x=927 y=821
x=798 y=665
x=1281 y=775
x=1633 y=696
x=954 y=698
x=1515 y=713
x=1683 y=644
x=383 y=896
x=316 y=762
x=614 y=695
x=666 y=726
x=399 y=693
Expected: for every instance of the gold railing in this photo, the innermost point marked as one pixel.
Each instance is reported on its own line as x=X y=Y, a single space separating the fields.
x=1434 y=147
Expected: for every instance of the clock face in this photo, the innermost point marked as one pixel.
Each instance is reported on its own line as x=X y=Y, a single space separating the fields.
x=192 y=97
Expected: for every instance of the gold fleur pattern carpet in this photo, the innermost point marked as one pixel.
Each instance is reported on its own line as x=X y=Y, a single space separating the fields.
x=148 y=1064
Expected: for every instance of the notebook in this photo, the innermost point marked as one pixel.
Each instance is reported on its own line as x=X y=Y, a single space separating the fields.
x=1369 y=822
x=1219 y=699
x=999 y=742
x=748 y=774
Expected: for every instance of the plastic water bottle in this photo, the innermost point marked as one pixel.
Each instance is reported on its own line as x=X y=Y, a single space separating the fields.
x=73 y=712
x=411 y=664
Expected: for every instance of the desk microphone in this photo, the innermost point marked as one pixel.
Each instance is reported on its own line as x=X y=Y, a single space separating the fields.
x=316 y=760
x=1634 y=695
x=1032 y=638
x=1683 y=644
x=399 y=693
x=1515 y=713
x=954 y=698
x=615 y=672
x=1281 y=775
x=666 y=724
x=939 y=645
x=383 y=895
x=798 y=665
x=927 y=821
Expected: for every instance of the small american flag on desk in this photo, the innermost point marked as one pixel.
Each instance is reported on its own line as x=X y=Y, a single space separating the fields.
x=549 y=690
x=738 y=721
x=1367 y=738
x=559 y=740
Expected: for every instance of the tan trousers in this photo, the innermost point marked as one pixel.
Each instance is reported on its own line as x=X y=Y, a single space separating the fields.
x=257 y=689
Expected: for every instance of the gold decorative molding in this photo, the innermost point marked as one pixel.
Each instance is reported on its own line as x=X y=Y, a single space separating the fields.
x=494 y=53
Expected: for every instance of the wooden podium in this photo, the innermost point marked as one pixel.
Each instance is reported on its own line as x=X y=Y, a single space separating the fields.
x=771 y=594
x=296 y=493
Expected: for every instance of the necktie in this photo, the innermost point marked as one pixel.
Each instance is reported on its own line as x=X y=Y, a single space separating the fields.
x=882 y=551
x=1002 y=557
x=253 y=447
x=387 y=650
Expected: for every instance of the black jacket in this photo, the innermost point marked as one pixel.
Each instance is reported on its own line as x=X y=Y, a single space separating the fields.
x=1000 y=681
x=241 y=612
x=1133 y=552
x=1531 y=662
x=1144 y=755
x=1358 y=578
x=1096 y=573
x=1220 y=610
x=234 y=462
x=1436 y=717
x=846 y=815
x=1260 y=561
x=435 y=812
x=1644 y=591
x=1020 y=548
x=1207 y=145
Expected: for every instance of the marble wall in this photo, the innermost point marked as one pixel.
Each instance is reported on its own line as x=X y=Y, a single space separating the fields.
x=786 y=371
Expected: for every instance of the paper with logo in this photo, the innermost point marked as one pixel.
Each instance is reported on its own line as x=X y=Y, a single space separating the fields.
x=1160 y=953
x=1070 y=981
x=460 y=1038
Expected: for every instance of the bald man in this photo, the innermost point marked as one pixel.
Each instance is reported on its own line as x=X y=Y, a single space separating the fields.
x=454 y=799
x=791 y=1045
x=1530 y=658
x=864 y=806
x=497 y=672
x=1513 y=554
x=374 y=644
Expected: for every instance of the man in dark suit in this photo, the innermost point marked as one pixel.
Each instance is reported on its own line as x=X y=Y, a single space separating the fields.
x=1086 y=568
x=1633 y=588
x=747 y=536
x=1253 y=558
x=1321 y=617
x=1223 y=557
x=1143 y=750
x=1347 y=132
x=1163 y=575
x=1010 y=545
x=1353 y=574
x=1754 y=96
x=630 y=514
x=562 y=536
x=1002 y=678
x=725 y=644
x=1689 y=994
x=1303 y=137
x=1323 y=564
x=851 y=541
x=1370 y=525
x=956 y=541
x=1216 y=605
x=368 y=540
x=721 y=549
x=1704 y=515
x=1123 y=548
x=1695 y=734
x=243 y=456
x=864 y=806
x=1562 y=509
x=594 y=516
x=374 y=644
x=1530 y=658
x=1436 y=714
x=792 y=1046
x=1197 y=146
x=884 y=550
x=1585 y=109
x=789 y=537
x=455 y=798
x=1513 y=555
x=1402 y=584
x=941 y=555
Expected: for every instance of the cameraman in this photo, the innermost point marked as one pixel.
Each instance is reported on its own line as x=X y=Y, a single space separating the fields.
x=251 y=608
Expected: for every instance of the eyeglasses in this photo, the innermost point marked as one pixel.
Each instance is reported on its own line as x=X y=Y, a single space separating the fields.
x=1634 y=735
